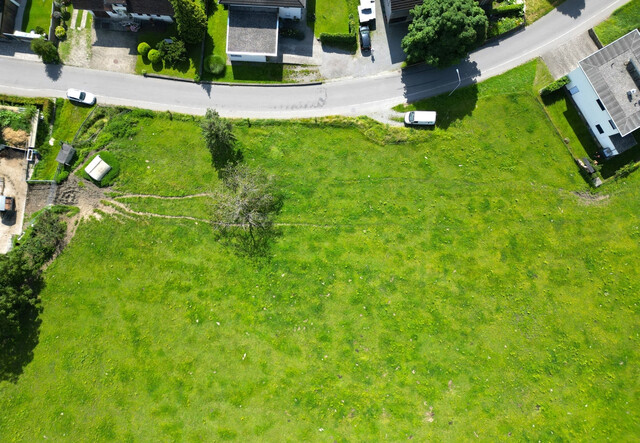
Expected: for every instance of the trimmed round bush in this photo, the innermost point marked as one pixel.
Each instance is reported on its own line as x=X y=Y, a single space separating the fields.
x=154 y=56
x=144 y=48
x=215 y=64
x=61 y=33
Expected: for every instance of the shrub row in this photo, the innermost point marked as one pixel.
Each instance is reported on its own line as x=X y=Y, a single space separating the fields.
x=507 y=10
x=554 y=86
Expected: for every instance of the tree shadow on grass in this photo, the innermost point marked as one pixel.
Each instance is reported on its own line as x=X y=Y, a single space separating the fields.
x=17 y=352
x=257 y=248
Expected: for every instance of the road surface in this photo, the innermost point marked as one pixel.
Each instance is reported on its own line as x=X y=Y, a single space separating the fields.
x=354 y=96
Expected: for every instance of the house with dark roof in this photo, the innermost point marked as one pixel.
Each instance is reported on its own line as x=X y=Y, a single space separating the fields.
x=397 y=11
x=128 y=9
x=8 y=11
x=606 y=89
x=253 y=25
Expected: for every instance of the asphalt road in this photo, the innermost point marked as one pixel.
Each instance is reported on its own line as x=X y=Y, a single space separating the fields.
x=354 y=96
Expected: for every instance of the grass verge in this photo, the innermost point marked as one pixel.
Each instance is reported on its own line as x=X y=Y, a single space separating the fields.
x=37 y=13
x=622 y=21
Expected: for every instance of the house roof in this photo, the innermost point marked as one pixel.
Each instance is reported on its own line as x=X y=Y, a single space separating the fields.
x=152 y=7
x=7 y=16
x=614 y=72
x=66 y=154
x=252 y=31
x=404 y=4
x=273 y=3
x=97 y=169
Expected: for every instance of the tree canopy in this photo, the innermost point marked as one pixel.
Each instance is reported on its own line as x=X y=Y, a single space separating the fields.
x=444 y=31
x=191 y=20
x=218 y=135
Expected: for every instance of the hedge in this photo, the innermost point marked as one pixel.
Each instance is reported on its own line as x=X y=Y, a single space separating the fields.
x=348 y=42
x=553 y=87
x=144 y=48
x=506 y=10
x=154 y=56
x=215 y=64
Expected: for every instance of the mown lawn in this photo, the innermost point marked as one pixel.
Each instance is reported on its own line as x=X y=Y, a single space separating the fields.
x=37 y=13
x=622 y=21
x=332 y=16
x=448 y=286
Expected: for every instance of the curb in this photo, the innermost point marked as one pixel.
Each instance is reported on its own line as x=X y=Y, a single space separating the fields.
x=188 y=80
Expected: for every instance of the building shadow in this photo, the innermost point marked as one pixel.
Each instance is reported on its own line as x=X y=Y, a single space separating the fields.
x=109 y=38
x=572 y=8
x=395 y=33
x=294 y=46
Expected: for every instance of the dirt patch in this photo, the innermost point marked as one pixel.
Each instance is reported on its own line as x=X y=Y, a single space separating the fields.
x=591 y=199
x=13 y=169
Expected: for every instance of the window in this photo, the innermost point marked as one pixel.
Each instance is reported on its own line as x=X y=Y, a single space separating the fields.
x=600 y=130
x=574 y=90
x=613 y=125
x=600 y=104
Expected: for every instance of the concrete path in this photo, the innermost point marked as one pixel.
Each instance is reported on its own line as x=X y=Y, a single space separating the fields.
x=352 y=96
x=74 y=19
x=563 y=59
x=83 y=23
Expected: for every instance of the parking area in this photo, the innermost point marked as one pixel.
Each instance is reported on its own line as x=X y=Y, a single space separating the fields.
x=13 y=166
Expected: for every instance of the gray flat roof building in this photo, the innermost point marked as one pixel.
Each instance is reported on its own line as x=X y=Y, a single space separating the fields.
x=252 y=31
x=614 y=73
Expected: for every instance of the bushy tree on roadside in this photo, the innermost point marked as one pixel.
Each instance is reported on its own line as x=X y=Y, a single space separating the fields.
x=47 y=51
x=444 y=31
x=191 y=20
x=220 y=140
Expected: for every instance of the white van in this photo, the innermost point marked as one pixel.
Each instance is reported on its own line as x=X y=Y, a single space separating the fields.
x=420 y=118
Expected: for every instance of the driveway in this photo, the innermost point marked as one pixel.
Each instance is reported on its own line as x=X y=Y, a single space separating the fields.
x=563 y=59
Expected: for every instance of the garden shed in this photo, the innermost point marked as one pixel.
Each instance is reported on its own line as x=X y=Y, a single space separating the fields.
x=97 y=168
x=66 y=154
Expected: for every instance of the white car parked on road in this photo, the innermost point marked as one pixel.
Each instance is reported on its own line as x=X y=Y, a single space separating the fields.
x=75 y=95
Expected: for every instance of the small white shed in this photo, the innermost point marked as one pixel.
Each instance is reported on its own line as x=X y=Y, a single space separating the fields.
x=97 y=168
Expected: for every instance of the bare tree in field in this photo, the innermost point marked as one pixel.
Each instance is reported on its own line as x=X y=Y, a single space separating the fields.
x=245 y=206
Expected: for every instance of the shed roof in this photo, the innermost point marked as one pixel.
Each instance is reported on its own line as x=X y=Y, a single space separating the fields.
x=97 y=168
x=66 y=154
x=613 y=71
x=252 y=31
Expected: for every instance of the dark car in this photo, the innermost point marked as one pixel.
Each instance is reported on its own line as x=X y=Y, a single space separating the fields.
x=365 y=38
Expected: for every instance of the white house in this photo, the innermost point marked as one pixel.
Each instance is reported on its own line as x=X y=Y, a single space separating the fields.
x=605 y=87
x=160 y=10
x=253 y=26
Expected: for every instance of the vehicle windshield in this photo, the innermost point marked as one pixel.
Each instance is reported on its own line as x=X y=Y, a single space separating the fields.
x=82 y=95
x=411 y=116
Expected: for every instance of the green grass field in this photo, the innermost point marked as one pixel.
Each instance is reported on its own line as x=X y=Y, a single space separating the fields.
x=461 y=283
x=37 y=13
x=622 y=21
